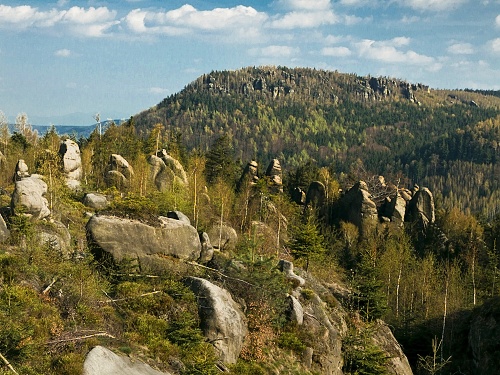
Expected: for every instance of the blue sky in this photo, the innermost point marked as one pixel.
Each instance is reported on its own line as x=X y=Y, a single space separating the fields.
x=63 y=61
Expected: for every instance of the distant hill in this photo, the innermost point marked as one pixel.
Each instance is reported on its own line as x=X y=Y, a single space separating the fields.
x=448 y=139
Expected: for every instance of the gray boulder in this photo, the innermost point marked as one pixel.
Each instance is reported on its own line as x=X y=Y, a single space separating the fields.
x=175 y=166
x=178 y=215
x=295 y=311
x=394 y=208
x=222 y=321
x=102 y=361
x=29 y=197
x=96 y=201
x=55 y=235
x=122 y=239
x=69 y=151
x=118 y=172
x=207 y=250
x=223 y=237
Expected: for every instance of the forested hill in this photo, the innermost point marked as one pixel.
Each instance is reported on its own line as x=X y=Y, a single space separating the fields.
x=447 y=140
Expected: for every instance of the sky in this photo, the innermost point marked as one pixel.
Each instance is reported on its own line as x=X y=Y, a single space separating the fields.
x=62 y=62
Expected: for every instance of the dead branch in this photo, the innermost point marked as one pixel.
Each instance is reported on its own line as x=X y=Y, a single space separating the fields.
x=134 y=297
x=8 y=364
x=220 y=273
x=102 y=334
x=46 y=290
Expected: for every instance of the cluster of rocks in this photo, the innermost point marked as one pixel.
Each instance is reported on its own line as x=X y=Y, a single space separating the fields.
x=382 y=87
x=165 y=171
x=273 y=174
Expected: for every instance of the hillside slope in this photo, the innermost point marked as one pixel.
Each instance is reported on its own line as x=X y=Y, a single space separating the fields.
x=349 y=123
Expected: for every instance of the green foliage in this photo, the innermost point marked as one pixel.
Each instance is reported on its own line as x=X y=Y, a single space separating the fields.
x=306 y=240
x=288 y=340
x=220 y=161
x=361 y=355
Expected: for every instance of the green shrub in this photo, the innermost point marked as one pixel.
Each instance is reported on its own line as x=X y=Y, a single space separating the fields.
x=289 y=340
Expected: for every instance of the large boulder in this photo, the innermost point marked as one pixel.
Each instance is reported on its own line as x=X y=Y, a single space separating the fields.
x=125 y=239
x=118 y=172
x=69 y=151
x=29 y=197
x=357 y=207
x=223 y=237
x=394 y=208
x=56 y=236
x=222 y=321
x=420 y=208
x=102 y=361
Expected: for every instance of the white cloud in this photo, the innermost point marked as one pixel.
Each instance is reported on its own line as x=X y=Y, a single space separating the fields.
x=461 y=49
x=389 y=51
x=188 y=18
x=432 y=5
x=88 y=22
x=497 y=21
x=336 y=51
x=410 y=19
x=494 y=45
x=306 y=19
x=313 y=5
x=63 y=53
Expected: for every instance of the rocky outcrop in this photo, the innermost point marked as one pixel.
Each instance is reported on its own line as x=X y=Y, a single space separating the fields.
x=21 y=171
x=420 y=208
x=286 y=267
x=222 y=321
x=124 y=239
x=273 y=173
x=102 y=361
x=397 y=363
x=69 y=151
x=249 y=176
x=29 y=196
x=118 y=172
x=223 y=237
x=299 y=196
x=316 y=194
x=295 y=311
x=356 y=207
x=394 y=208
x=166 y=170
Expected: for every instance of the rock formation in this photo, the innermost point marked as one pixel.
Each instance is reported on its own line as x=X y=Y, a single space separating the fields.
x=69 y=151
x=397 y=362
x=178 y=215
x=118 y=172
x=356 y=207
x=316 y=194
x=273 y=172
x=102 y=361
x=125 y=239
x=29 y=196
x=286 y=267
x=207 y=250
x=420 y=208
x=249 y=176
x=222 y=321
x=165 y=171
x=21 y=170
